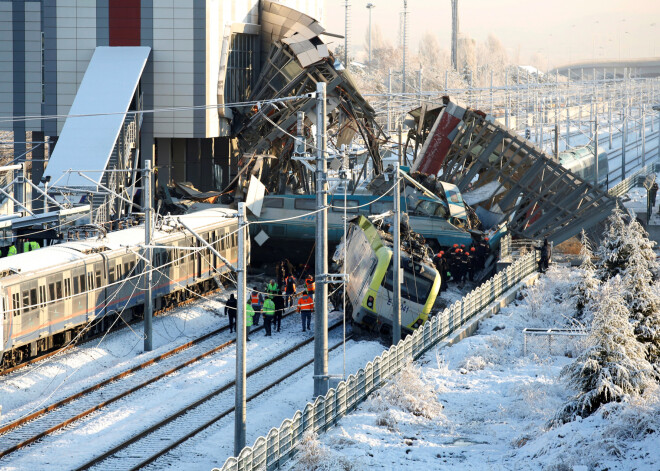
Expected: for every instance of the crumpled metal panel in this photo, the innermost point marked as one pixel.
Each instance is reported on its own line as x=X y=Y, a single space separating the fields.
x=536 y=195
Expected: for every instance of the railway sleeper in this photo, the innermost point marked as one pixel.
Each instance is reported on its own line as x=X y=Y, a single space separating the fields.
x=58 y=340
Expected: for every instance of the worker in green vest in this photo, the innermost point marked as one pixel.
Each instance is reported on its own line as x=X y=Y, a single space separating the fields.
x=11 y=251
x=269 y=313
x=30 y=246
x=249 y=314
x=272 y=288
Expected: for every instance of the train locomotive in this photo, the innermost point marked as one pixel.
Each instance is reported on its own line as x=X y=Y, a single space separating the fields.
x=64 y=292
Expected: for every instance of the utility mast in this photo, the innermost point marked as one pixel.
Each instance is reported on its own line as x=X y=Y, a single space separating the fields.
x=404 y=43
x=454 y=34
x=347 y=6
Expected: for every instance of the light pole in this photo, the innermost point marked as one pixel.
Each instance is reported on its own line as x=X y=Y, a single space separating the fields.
x=370 y=6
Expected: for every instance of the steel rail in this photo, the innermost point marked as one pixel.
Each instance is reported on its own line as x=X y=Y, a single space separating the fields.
x=172 y=417
x=100 y=334
x=17 y=423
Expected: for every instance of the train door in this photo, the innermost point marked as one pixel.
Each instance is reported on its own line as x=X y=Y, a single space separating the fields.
x=15 y=311
x=42 y=294
x=206 y=255
x=79 y=297
x=90 y=289
x=68 y=292
x=4 y=327
x=55 y=294
x=198 y=258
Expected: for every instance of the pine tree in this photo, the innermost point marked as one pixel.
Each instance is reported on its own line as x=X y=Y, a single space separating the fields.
x=585 y=290
x=638 y=292
x=613 y=250
x=644 y=244
x=614 y=365
x=647 y=332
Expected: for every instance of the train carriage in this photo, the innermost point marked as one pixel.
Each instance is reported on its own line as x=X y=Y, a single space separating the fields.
x=50 y=296
x=370 y=287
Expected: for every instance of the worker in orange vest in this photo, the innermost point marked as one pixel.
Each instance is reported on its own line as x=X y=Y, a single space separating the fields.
x=305 y=308
x=309 y=283
x=256 y=299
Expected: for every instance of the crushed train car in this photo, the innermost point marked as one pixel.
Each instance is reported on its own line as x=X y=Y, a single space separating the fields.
x=507 y=178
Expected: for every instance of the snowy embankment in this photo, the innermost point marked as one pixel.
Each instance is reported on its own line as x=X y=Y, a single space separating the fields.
x=481 y=404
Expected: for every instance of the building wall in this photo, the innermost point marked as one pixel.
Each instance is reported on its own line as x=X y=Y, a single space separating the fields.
x=185 y=35
x=20 y=64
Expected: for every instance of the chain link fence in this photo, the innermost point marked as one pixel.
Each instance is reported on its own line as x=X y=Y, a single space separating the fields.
x=549 y=342
x=278 y=446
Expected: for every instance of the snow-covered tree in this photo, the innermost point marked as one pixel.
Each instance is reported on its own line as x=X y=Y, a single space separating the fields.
x=614 y=365
x=640 y=238
x=638 y=292
x=585 y=291
x=613 y=251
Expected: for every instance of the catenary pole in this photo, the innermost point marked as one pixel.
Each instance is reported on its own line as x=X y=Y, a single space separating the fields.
x=321 y=294
x=596 y=151
x=148 y=299
x=239 y=403
x=396 y=245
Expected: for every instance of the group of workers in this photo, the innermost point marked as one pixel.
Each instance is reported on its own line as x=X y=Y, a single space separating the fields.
x=13 y=249
x=460 y=263
x=272 y=303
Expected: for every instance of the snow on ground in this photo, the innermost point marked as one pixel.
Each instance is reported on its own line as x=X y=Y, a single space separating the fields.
x=57 y=377
x=497 y=404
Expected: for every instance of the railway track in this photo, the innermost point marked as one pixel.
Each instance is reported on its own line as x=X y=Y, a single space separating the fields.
x=147 y=446
x=65 y=348
x=45 y=421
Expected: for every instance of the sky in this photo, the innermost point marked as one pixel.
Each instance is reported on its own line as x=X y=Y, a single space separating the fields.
x=561 y=31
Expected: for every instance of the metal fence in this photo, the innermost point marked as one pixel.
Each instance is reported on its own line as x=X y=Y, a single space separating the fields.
x=632 y=181
x=276 y=448
x=569 y=342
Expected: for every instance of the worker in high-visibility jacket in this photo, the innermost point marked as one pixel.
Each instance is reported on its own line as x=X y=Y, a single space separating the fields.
x=257 y=300
x=30 y=246
x=306 y=308
x=272 y=288
x=269 y=313
x=310 y=285
x=12 y=250
x=249 y=314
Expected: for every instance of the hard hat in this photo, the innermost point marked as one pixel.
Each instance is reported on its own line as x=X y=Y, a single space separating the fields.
x=472 y=249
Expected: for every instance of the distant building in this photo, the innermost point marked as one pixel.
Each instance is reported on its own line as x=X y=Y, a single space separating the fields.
x=202 y=53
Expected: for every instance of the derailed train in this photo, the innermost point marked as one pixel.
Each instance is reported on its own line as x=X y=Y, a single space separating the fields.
x=53 y=295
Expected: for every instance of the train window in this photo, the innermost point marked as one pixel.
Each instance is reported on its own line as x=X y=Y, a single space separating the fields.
x=351 y=205
x=42 y=296
x=51 y=291
x=305 y=203
x=119 y=271
x=58 y=289
x=26 y=301
x=111 y=275
x=34 y=303
x=76 y=285
x=82 y=283
x=127 y=270
x=132 y=265
x=16 y=303
x=380 y=207
x=67 y=287
x=274 y=203
x=90 y=281
x=98 y=279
